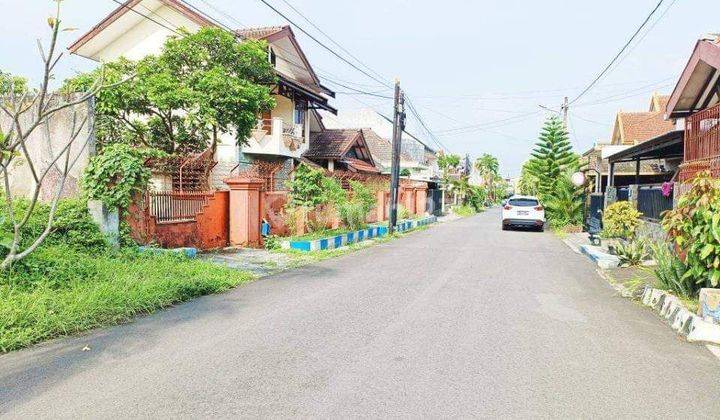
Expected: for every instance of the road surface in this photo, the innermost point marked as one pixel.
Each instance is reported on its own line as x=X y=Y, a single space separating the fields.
x=462 y=319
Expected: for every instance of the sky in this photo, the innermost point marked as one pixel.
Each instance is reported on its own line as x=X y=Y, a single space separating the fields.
x=477 y=71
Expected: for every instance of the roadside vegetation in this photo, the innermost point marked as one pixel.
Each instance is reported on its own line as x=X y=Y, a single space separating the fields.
x=690 y=258
x=77 y=281
x=59 y=274
x=318 y=200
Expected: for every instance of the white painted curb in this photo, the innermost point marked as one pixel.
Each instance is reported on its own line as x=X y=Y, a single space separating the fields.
x=680 y=318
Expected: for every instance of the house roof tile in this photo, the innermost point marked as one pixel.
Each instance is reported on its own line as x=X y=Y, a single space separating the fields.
x=361 y=165
x=637 y=127
x=259 y=32
x=331 y=144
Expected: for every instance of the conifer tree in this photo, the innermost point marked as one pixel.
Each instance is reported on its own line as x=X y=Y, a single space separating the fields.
x=551 y=157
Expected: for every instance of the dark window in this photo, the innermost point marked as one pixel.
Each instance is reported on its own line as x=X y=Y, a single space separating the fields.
x=300 y=110
x=523 y=202
x=273 y=57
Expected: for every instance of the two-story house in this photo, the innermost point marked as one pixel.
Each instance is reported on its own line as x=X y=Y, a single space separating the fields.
x=140 y=27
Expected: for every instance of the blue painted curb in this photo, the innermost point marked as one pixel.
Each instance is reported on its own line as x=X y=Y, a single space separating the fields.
x=348 y=238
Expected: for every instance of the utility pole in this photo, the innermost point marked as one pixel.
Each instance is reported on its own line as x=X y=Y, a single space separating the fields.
x=564 y=108
x=398 y=127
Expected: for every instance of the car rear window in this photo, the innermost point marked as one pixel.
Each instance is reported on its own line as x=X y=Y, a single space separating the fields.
x=523 y=202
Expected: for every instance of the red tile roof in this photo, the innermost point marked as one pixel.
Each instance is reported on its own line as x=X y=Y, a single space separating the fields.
x=258 y=32
x=361 y=165
x=331 y=144
x=637 y=127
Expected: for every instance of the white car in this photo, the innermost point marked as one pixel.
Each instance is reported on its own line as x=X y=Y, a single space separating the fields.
x=523 y=211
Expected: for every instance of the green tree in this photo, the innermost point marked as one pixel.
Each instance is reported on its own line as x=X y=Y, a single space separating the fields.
x=488 y=166
x=10 y=83
x=200 y=85
x=447 y=163
x=551 y=157
x=528 y=183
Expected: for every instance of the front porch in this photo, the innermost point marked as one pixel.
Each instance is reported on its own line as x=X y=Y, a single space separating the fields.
x=651 y=199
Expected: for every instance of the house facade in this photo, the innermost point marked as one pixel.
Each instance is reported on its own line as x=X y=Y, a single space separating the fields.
x=419 y=159
x=631 y=129
x=695 y=102
x=281 y=136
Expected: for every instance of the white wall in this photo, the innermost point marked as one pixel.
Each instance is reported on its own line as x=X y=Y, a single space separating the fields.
x=138 y=37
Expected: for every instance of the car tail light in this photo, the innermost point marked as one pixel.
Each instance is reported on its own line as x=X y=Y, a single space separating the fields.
x=507 y=207
x=539 y=208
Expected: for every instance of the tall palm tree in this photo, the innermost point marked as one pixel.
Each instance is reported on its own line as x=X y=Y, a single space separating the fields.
x=488 y=166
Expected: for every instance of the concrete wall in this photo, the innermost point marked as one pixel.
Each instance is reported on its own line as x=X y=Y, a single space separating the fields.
x=45 y=143
x=209 y=230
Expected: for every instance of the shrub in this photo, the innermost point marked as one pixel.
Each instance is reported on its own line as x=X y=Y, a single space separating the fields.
x=695 y=226
x=402 y=212
x=353 y=212
x=477 y=198
x=306 y=187
x=353 y=215
x=117 y=173
x=564 y=203
x=632 y=253
x=271 y=242
x=670 y=271
x=620 y=220
x=72 y=226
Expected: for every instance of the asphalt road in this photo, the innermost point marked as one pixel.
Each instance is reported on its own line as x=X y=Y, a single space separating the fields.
x=462 y=319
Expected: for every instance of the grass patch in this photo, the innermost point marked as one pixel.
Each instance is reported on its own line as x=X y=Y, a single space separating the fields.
x=560 y=233
x=464 y=211
x=61 y=290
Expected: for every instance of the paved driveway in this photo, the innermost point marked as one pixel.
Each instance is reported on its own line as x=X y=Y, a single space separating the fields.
x=459 y=320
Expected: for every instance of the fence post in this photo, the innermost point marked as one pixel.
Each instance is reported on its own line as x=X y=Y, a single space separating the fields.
x=633 y=191
x=610 y=195
x=245 y=211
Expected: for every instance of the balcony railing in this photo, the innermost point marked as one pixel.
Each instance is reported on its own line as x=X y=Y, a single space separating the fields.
x=702 y=142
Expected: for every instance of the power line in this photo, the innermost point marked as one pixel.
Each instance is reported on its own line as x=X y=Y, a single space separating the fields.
x=607 y=67
x=415 y=113
x=662 y=15
x=126 y=6
x=337 y=44
x=489 y=123
x=616 y=98
x=330 y=50
x=359 y=92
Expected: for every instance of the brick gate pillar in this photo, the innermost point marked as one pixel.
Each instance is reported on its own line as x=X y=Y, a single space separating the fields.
x=409 y=200
x=245 y=211
x=380 y=205
x=420 y=200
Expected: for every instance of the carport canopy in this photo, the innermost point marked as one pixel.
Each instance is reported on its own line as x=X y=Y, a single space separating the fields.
x=666 y=146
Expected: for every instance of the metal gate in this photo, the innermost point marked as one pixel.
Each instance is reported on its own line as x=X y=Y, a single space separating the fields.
x=434 y=202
